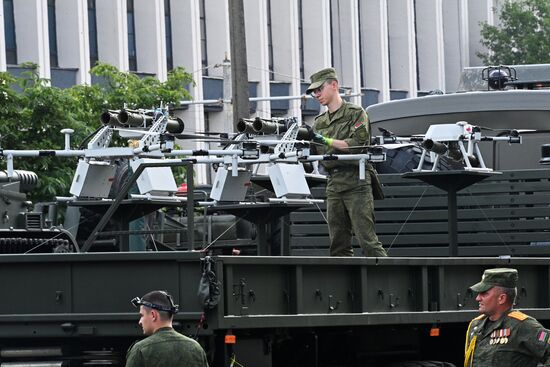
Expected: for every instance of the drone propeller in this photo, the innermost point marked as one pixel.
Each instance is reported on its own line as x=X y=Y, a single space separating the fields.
x=512 y=131
x=197 y=136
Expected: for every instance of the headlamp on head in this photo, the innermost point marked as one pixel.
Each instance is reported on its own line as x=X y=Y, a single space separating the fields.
x=172 y=309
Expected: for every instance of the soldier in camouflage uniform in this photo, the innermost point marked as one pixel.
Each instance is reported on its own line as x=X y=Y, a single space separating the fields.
x=164 y=346
x=350 y=205
x=501 y=336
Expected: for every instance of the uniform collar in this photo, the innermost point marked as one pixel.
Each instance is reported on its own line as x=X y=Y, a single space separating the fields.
x=495 y=325
x=338 y=113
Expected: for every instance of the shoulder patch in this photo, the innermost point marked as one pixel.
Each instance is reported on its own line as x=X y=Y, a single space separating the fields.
x=518 y=315
x=542 y=337
x=362 y=121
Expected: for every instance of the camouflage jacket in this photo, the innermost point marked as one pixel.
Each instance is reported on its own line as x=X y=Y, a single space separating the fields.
x=514 y=340
x=351 y=124
x=167 y=348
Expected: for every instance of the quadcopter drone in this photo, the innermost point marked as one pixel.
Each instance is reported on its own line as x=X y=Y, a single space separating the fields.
x=459 y=142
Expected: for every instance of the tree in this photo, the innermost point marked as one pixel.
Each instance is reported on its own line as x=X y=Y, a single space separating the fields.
x=33 y=114
x=523 y=36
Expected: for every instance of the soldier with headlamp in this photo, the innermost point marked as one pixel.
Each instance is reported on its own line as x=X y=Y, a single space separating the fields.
x=164 y=346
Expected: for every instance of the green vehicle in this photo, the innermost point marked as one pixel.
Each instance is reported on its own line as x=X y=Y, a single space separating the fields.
x=267 y=294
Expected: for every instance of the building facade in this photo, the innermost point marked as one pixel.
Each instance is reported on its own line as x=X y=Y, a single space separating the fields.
x=382 y=49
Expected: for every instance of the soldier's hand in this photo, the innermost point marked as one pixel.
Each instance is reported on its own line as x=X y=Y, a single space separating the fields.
x=320 y=139
x=310 y=133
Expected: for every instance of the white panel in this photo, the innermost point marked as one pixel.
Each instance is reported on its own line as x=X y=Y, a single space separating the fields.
x=150 y=37
x=72 y=37
x=431 y=55
x=374 y=31
x=286 y=57
x=456 y=46
x=32 y=43
x=316 y=29
x=154 y=180
x=217 y=33
x=346 y=45
x=402 y=45
x=288 y=180
x=226 y=187
x=255 y=15
x=3 y=65
x=112 y=32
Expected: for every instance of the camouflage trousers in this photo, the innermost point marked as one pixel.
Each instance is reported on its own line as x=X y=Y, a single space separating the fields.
x=352 y=212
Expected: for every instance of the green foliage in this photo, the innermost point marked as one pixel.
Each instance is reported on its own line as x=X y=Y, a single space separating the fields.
x=523 y=36
x=33 y=113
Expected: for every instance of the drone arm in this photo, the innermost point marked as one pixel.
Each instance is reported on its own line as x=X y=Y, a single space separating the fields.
x=509 y=139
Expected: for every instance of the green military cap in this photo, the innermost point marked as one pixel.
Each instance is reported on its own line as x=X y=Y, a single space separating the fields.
x=320 y=77
x=500 y=277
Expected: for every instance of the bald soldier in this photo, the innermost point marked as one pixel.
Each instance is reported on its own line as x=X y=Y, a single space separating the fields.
x=344 y=128
x=501 y=336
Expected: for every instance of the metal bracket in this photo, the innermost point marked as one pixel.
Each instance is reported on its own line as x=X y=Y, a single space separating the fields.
x=459 y=304
x=318 y=294
x=330 y=306
x=394 y=301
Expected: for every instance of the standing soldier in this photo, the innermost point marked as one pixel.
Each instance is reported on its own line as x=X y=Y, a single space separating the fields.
x=350 y=204
x=501 y=336
x=164 y=346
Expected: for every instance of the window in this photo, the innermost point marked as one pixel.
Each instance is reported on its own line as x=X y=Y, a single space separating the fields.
x=270 y=42
x=204 y=58
x=9 y=30
x=52 y=34
x=301 y=38
x=168 y=31
x=92 y=32
x=132 y=58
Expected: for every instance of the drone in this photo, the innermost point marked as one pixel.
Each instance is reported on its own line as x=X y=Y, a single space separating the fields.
x=458 y=142
x=279 y=143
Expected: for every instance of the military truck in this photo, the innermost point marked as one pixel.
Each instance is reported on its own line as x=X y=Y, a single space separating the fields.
x=293 y=305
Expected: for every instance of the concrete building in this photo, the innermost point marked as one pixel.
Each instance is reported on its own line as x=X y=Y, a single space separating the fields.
x=384 y=49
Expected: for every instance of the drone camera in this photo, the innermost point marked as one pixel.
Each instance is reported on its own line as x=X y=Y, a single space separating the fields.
x=498 y=76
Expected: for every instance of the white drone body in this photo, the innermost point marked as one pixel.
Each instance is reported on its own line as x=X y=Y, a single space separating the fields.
x=459 y=140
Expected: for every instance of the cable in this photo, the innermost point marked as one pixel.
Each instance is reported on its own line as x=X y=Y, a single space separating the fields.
x=320 y=211
x=233 y=361
x=407 y=219
x=54 y=237
x=206 y=68
x=87 y=139
x=220 y=236
x=491 y=224
x=279 y=74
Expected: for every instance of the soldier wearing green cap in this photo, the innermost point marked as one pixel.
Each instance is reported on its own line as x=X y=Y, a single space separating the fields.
x=344 y=128
x=501 y=336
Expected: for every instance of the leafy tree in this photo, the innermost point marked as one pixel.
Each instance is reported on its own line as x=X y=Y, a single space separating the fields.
x=523 y=36
x=33 y=113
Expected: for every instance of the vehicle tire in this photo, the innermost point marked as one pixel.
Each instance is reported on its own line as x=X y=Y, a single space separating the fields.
x=422 y=364
x=405 y=159
x=121 y=177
